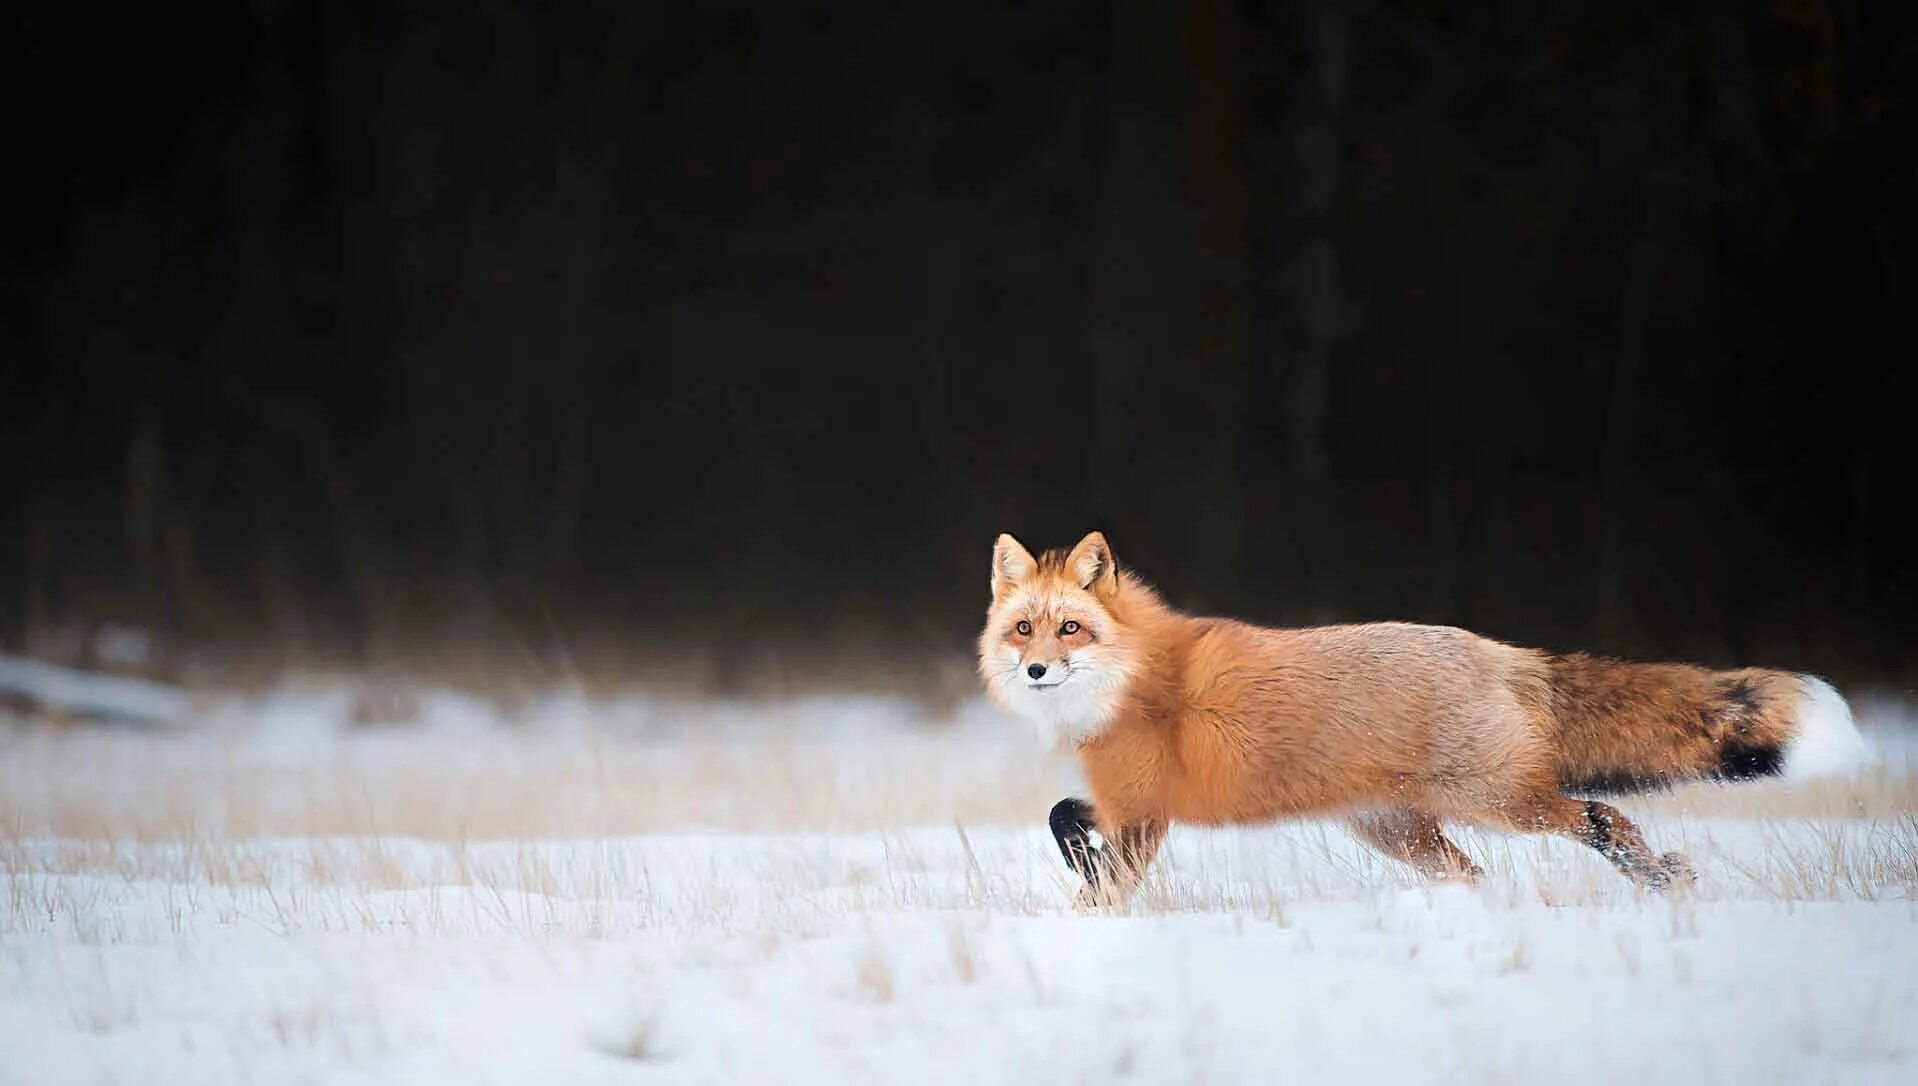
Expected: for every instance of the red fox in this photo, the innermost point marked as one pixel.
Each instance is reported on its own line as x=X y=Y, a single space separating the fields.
x=1396 y=727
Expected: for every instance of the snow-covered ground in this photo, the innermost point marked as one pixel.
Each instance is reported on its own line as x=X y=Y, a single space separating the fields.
x=836 y=891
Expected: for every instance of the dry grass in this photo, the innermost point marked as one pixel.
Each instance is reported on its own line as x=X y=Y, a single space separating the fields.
x=115 y=787
x=1888 y=790
x=108 y=786
x=873 y=974
x=531 y=836
x=784 y=887
x=636 y=1040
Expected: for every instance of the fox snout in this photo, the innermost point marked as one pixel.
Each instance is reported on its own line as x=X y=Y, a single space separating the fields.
x=1045 y=672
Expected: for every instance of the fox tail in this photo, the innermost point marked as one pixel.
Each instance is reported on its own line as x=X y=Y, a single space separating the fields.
x=1622 y=727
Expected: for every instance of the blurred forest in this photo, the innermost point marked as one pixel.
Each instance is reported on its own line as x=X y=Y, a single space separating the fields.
x=599 y=334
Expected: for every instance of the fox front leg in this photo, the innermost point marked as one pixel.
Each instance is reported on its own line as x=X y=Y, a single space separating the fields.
x=1072 y=825
x=1111 y=873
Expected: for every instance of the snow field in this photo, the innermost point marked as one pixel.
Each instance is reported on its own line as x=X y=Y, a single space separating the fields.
x=641 y=895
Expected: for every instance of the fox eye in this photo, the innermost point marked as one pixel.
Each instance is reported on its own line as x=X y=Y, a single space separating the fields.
x=1024 y=628
x=1069 y=629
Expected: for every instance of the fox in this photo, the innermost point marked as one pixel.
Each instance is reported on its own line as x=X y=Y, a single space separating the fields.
x=1397 y=728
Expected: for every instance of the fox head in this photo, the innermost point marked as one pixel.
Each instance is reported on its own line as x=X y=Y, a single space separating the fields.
x=1054 y=651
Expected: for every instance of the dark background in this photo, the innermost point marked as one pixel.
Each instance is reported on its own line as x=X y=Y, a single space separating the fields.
x=722 y=338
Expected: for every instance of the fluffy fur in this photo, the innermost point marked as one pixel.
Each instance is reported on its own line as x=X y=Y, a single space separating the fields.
x=1399 y=727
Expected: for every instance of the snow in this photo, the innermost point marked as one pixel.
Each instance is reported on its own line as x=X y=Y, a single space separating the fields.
x=825 y=958
x=828 y=890
x=108 y=696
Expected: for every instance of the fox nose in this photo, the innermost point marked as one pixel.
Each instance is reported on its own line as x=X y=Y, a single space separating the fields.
x=1036 y=670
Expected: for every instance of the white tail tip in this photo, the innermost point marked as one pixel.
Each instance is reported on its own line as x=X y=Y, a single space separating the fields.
x=1824 y=740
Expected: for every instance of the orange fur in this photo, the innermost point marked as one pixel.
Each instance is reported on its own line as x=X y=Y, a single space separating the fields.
x=1179 y=718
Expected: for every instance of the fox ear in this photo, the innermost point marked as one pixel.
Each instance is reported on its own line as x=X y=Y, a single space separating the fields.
x=1011 y=563
x=1092 y=564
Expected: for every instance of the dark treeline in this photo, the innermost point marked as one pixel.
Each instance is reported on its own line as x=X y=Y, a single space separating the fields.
x=346 y=327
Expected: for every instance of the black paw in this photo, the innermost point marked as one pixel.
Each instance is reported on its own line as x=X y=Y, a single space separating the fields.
x=1072 y=826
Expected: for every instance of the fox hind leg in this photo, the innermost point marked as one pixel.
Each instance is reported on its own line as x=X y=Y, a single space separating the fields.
x=1601 y=827
x=1414 y=837
x=1616 y=839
